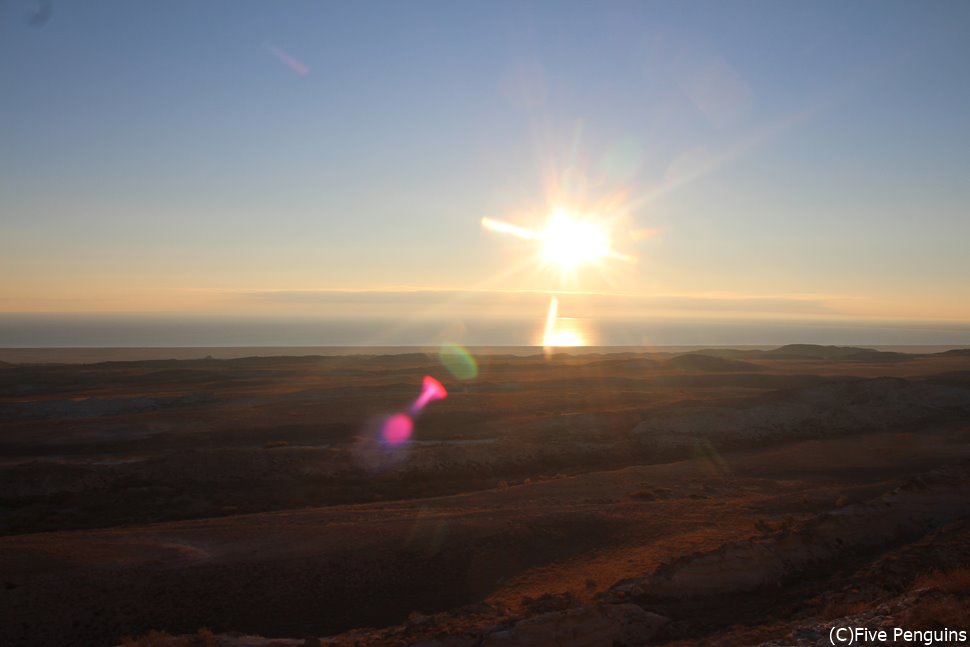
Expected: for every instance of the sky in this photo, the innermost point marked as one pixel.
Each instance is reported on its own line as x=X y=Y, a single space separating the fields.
x=802 y=163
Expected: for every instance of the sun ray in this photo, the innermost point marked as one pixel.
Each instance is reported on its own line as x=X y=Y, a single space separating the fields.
x=508 y=228
x=551 y=315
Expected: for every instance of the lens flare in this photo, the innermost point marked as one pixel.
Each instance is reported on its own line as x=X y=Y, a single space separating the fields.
x=397 y=429
x=458 y=361
x=289 y=60
x=431 y=390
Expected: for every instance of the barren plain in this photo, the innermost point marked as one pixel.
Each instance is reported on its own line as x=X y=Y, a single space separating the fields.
x=727 y=497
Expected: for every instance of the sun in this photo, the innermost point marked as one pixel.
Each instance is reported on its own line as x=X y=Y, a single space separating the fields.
x=569 y=242
x=566 y=241
x=573 y=235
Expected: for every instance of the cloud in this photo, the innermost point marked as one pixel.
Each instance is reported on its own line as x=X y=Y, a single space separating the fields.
x=423 y=303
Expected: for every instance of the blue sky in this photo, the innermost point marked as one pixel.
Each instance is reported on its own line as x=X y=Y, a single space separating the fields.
x=164 y=157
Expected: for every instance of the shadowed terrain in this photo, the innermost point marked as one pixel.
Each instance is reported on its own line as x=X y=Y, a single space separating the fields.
x=611 y=498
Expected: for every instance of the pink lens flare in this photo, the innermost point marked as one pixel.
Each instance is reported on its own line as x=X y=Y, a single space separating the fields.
x=289 y=61
x=431 y=389
x=397 y=429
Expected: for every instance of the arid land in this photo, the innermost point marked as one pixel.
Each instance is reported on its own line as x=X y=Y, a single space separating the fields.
x=714 y=497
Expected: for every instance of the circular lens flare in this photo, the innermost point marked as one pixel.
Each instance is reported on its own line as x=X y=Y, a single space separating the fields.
x=397 y=429
x=458 y=361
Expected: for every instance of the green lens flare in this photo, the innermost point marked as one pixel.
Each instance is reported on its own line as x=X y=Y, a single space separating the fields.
x=458 y=361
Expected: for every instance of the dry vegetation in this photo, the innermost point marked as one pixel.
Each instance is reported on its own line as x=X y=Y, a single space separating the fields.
x=953 y=581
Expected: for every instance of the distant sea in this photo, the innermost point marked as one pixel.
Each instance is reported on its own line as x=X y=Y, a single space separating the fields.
x=91 y=338
x=94 y=355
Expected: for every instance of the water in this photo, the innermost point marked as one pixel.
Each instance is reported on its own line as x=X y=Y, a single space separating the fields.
x=86 y=338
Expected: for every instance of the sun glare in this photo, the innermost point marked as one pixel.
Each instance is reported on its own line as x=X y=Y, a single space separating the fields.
x=567 y=241
x=570 y=242
x=564 y=339
x=561 y=333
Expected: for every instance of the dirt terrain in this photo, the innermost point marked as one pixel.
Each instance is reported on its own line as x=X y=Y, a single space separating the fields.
x=730 y=497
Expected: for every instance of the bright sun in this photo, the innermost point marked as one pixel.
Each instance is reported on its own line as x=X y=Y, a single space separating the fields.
x=570 y=242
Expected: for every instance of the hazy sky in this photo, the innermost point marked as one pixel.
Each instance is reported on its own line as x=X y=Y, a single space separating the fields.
x=766 y=159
